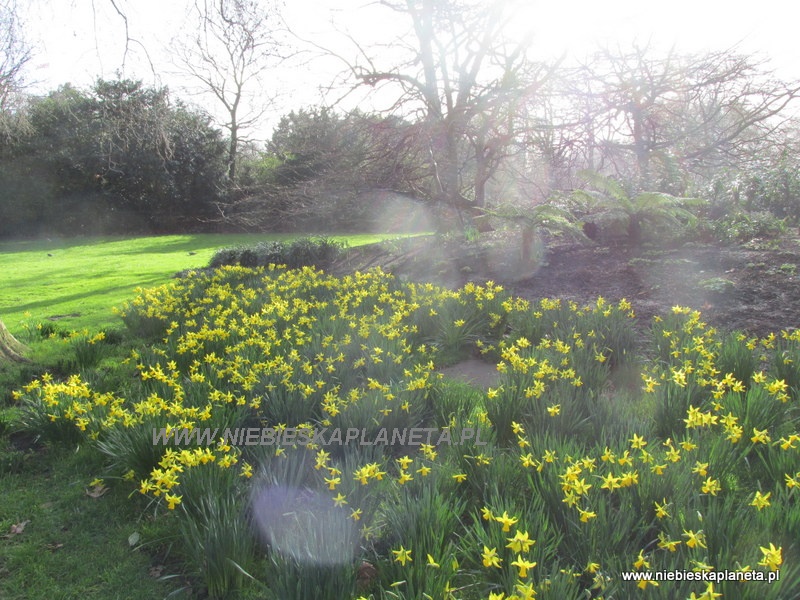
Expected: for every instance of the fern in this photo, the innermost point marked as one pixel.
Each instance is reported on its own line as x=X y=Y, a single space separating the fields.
x=653 y=208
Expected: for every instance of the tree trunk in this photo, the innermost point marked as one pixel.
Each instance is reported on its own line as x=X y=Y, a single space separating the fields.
x=528 y=236
x=10 y=349
x=233 y=148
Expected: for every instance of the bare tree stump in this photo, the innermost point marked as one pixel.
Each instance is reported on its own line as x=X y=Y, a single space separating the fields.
x=528 y=239
x=10 y=349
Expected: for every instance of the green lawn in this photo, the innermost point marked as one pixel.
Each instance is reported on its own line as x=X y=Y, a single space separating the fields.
x=69 y=544
x=77 y=282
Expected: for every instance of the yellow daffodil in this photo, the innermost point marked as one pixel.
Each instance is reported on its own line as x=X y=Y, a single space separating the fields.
x=490 y=558
x=761 y=501
x=525 y=591
x=637 y=442
x=610 y=482
x=641 y=562
x=666 y=544
x=643 y=583
x=772 y=557
x=661 y=509
x=520 y=542
x=585 y=515
x=694 y=539
x=711 y=486
x=402 y=556
x=760 y=436
x=506 y=521
x=608 y=456
x=523 y=566
x=172 y=500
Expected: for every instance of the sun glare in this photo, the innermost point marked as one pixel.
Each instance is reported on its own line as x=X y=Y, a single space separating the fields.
x=577 y=28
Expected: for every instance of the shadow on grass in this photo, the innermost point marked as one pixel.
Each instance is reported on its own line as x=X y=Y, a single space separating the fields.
x=201 y=242
x=47 y=244
x=57 y=300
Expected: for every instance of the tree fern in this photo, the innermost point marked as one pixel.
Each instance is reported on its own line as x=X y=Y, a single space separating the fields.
x=653 y=208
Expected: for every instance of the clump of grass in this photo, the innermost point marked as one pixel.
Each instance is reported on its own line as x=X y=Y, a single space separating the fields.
x=736 y=355
x=717 y=285
x=89 y=350
x=217 y=535
x=786 y=366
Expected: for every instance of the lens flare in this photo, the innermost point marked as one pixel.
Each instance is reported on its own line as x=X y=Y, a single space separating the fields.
x=304 y=525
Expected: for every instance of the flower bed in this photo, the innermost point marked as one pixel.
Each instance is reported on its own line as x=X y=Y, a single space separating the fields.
x=595 y=459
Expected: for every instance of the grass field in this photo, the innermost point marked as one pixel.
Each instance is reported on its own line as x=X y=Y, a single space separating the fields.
x=77 y=282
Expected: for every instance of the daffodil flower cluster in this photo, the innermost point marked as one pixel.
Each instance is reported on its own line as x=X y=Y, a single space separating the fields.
x=714 y=444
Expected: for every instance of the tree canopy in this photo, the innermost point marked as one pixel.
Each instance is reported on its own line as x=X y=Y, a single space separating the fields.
x=466 y=119
x=121 y=156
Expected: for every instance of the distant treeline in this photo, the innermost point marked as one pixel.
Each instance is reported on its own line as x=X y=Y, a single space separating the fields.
x=125 y=158
x=118 y=158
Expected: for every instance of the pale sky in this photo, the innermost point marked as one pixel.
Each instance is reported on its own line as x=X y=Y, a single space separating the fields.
x=79 y=40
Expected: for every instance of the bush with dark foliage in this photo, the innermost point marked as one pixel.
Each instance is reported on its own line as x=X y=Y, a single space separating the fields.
x=317 y=252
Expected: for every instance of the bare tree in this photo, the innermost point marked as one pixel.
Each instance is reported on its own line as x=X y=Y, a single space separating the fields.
x=230 y=51
x=689 y=111
x=464 y=77
x=557 y=137
x=14 y=56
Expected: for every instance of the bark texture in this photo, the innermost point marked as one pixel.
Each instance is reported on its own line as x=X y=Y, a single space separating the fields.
x=10 y=349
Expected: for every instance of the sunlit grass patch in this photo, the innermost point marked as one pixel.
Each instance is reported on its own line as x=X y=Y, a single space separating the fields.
x=75 y=283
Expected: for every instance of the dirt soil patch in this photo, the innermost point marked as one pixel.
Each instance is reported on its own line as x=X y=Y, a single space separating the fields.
x=478 y=373
x=753 y=287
